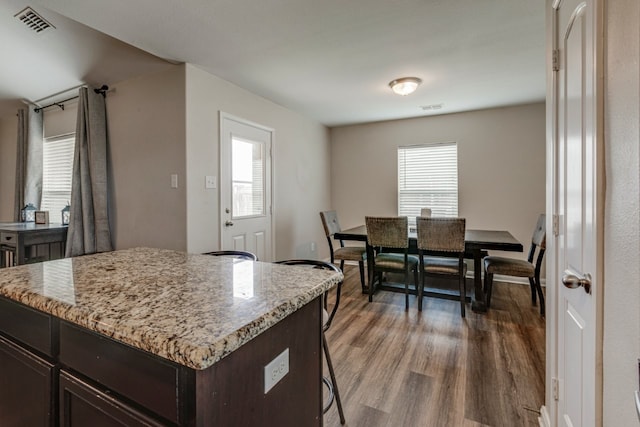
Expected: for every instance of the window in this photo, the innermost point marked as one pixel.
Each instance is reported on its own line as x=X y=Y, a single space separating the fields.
x=428 y=178
x=57 y=167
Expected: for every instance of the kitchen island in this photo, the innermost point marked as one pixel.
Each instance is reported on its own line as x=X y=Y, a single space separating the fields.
x=158 y=337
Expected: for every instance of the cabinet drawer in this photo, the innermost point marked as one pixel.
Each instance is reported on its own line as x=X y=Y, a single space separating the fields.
x=28 y=326
x=83 y=405
x=8 y=239
x=139 y=376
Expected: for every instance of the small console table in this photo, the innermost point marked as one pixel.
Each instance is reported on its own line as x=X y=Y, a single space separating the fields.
x=16 y=239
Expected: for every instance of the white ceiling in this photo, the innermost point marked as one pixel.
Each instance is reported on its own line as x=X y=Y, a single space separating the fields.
x=330 y=60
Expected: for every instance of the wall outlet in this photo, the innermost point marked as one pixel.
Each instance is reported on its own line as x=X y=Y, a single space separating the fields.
x=210 y=181
x=174 y=180
x=276 y=370
x=313 y=246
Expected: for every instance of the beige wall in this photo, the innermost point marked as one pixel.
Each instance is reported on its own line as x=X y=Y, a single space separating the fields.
x=300 y=174
x=501 y=166
x=8 y=145
x=58 y=122
x=621 y=346
x=167 y=123
x=146 y=125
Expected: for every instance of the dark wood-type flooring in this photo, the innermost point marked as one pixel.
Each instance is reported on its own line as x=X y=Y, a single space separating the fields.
x=397 y=368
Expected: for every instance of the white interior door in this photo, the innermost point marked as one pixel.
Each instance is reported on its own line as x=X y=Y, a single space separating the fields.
x=245 y=187
x=578 y=197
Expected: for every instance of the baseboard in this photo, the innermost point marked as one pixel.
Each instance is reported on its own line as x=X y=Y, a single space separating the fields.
x=518 y=280
x=544 y=419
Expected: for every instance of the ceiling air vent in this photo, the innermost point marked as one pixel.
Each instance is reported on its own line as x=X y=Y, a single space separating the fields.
x=33 y=20
x=431 y=107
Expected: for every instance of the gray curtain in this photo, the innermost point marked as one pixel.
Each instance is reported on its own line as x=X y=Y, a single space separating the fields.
x=21 y=164
x=89 y=225
x=28 y=161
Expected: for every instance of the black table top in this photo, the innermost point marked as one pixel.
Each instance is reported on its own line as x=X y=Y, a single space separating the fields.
x=498 y=240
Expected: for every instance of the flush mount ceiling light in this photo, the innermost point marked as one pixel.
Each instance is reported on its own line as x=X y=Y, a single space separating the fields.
x=405 y=85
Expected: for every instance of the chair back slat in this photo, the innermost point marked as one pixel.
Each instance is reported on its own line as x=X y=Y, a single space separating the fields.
x=540 y=232
x=388 y=232
x=441 y=234
x=330 y=222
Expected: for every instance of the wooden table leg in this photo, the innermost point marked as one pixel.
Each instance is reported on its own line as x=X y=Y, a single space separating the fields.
x=479 y=304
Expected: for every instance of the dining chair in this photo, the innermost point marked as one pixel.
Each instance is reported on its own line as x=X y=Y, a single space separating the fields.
x=520 y=268
x=327 y=318
x=388 y=240
x=234 y=254
x=343 y=253
x=441 y=247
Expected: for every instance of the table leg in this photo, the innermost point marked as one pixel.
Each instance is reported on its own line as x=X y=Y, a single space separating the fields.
x=370 y=255
x=478 y=304
x=20 y=249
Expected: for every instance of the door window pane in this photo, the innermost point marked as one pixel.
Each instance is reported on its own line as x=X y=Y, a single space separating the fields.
x=247 y=176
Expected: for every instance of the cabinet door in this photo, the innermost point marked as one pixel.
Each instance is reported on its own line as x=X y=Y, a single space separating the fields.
x=81 y=404
x=26 y=388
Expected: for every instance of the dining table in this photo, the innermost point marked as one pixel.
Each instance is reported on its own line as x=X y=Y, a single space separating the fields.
x=477 y=242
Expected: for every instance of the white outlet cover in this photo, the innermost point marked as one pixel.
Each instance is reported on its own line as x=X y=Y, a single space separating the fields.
x=210 y=181
x=276 y=370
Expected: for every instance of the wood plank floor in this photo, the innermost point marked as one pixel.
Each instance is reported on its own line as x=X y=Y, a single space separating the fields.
x=397 y=368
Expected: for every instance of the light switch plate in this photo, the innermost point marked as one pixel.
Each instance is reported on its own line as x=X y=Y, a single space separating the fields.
x=276 y=370
x=174 y=180
x=210 y=181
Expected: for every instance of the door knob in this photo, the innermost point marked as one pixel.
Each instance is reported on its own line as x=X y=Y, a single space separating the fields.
x=573 y=281
x=228 y=223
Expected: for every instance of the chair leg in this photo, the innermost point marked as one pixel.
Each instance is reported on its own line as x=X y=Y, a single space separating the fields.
x=532 y=285
x=463 y=294
x=361 y=265
x=372 y=281
x=421 y=291
x=488 y=285
x=406 y=290
x=333 y=378
x=416 y=279
x=540 y=295
x=342 y=265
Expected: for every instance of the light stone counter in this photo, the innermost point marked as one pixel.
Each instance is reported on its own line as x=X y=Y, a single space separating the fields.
x=191 y=309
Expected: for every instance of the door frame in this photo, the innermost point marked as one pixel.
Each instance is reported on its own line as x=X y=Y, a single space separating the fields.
x=553 y=385
x=221 y=117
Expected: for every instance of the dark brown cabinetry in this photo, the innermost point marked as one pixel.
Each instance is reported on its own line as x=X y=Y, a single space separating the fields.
x=56 y=373
x=82 y=404
x=27 y=388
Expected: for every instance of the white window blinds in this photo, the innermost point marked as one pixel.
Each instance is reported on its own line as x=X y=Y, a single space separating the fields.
x=57 y=166
x=428 y=178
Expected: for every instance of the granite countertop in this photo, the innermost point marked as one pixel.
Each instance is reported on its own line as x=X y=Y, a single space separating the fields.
x=191 y=309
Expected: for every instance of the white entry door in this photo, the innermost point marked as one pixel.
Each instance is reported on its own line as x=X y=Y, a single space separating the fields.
x=578 y=197
x=245 y=186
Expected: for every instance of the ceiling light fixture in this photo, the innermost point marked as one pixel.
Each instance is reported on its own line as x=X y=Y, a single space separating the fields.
x=405 y=85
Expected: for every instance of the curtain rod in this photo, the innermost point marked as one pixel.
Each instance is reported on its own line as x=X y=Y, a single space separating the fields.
x=102 y=90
